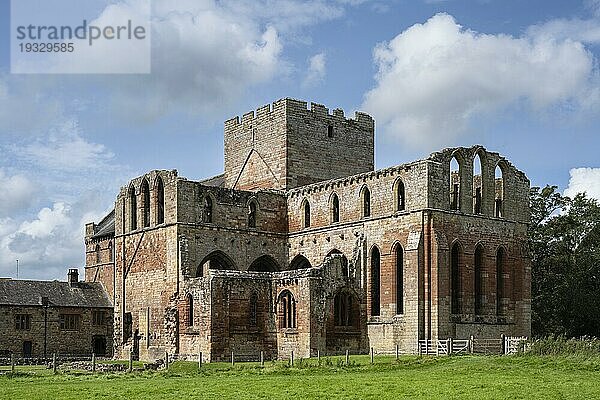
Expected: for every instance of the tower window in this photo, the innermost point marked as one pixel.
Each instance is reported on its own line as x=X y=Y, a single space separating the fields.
x=287 y=310
x=306 y=214
x=207 y=211
x=366 y=202
x=335 y=208
x=252 y=215
x=329 y=131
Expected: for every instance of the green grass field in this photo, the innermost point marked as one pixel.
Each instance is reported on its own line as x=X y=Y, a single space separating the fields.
x=464 y=377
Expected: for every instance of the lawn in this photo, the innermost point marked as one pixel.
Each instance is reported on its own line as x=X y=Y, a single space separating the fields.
x=464 y=377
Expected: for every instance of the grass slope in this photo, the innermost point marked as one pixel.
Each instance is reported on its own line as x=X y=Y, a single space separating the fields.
x=526 y=377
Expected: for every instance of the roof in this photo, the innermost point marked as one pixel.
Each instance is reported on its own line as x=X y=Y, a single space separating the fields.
x=29 y=293
x=216 y=181
x=106 y=227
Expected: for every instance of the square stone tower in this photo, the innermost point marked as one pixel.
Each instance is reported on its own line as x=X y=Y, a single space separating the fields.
x=285 y=145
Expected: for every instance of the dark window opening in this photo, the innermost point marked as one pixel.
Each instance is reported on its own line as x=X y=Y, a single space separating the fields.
x=264 y=263
x=399 y=280
x=207 y=212
x=500 y=282
x=375 y=282
x=330 y=131
x=132 y=209
x=498 y=208
x=160 y=202
x=190 y=310
x=23 y=322
x=252 y=215
x=306 y=214
x=98 y=318
x=69 y=322
x=455 y=279
x=300 y=262
x=401 y=204
x=97 y=253
x=477 y=206
x=455 y=171
x=335 y=208
x=478 y=264
x=287 y=310
x=146 y=203
x=366 y=203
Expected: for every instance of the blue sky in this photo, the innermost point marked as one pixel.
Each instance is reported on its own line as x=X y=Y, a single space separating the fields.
x=520 y=77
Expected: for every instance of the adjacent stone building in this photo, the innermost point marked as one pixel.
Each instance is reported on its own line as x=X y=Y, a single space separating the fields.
x=301 y=246
x=39 y=318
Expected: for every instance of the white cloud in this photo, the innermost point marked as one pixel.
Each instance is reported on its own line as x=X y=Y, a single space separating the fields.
x=65 y=149
x=16 y=194
x=316 y=70
x=584 y=180
x=434 y=78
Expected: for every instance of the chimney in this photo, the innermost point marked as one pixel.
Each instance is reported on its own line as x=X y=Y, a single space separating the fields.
x=73 y=276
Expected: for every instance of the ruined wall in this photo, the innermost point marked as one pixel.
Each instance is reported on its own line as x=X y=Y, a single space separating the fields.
x=284 y=145
x=58 y=341
x=99 y=261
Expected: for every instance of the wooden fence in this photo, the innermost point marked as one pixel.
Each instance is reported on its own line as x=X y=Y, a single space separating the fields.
x=502 y=345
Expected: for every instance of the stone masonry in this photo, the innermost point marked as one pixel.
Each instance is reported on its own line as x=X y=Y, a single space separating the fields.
x=301 y=246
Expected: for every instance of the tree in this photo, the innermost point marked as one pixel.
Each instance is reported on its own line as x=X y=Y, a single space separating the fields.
x=564 y=240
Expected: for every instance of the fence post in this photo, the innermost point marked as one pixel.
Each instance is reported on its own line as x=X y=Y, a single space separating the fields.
x=167 y=360
x=54 y=363
x=130 y=367
x=262 y=358
x=232 y=359
x=397 y=351
x=503 y=345
x=347 y=357
x=471 y=344
x=12 y=363
x=200 y=360
x=371 y=355
x=93 y=362
x=292 y=359
x=319 y=357
x=450 y=345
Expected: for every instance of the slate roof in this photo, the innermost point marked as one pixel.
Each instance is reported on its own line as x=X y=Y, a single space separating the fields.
x=216 y=181
x=106 y=227
x=28 y=293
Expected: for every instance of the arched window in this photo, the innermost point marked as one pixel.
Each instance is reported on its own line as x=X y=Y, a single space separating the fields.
x=454 y=184
x=399 y=279
x=132 y=208
x=375 y=282
x=343 y=309
x=207 y=211
x=110 y=252
x=306 y=207
x=145 y=203
x=366 y=202
x=343 y=259
x=499 y=189
x=500 y=294
x=455 y=281
x=300 y=262
x=252 y=215
x=478 y=266
x=160 y=201
x=190 y=309
x=264 y=263
x=335 y=208
x=477 y=184
x=215 y=260
x=97 y=253
x=253 y=310
x=400 y=196
x=287 y=310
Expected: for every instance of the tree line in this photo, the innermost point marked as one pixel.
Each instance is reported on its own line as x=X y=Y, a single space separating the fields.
x=564 y=244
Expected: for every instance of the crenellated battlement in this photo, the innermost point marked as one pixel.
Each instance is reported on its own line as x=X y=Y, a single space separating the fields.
x=297 y=108
x=284 y=144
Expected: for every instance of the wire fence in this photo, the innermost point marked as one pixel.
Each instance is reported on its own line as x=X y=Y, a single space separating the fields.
x=93 y=363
